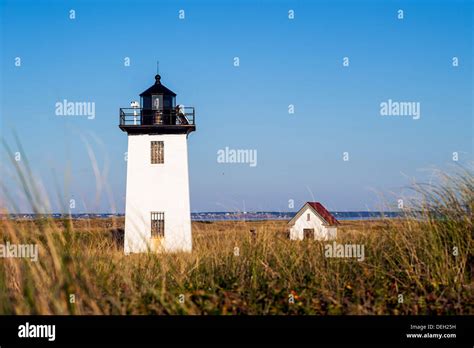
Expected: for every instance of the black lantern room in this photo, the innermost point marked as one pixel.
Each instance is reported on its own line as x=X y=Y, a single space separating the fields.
x=158 y=97
x=157 y=113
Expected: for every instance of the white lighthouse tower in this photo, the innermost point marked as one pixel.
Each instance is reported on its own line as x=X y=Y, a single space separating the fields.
x=157 y=212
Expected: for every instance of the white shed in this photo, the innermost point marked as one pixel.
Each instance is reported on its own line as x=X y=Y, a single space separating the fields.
x=313 y=221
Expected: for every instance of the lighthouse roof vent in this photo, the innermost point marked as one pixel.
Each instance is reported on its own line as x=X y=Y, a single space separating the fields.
x=157 y=88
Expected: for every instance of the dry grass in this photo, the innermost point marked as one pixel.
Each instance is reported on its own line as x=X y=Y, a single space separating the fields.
x=84 y=258
x=425 y=257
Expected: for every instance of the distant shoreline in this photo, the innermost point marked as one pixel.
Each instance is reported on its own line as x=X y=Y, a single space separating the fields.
x=217 y=216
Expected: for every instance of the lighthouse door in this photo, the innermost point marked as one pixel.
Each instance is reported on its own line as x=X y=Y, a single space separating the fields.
x=157 y=230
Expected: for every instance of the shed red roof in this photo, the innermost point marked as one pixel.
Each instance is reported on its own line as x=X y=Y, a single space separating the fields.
x=325 y=214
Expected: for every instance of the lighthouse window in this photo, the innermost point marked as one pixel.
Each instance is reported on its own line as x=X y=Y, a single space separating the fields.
x=157 y=224
x=157 y=152
x=157 y=102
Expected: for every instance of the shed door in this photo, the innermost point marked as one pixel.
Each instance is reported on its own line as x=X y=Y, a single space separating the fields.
x=308 y=233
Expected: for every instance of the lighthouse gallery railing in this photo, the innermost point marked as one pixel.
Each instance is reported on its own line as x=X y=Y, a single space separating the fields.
x=183 y=116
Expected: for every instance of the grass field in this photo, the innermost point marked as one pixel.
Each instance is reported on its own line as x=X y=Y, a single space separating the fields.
x=231 y=272
x=421 y=264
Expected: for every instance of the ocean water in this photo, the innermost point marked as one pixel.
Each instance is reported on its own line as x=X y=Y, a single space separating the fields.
x=230 y=216
x=256 y=216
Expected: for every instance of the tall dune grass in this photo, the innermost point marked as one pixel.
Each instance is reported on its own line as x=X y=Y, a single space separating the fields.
x=421 y=264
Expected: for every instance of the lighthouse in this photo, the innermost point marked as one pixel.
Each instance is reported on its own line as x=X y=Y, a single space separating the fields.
x=157 y=212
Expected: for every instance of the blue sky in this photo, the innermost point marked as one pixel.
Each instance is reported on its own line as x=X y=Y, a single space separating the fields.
x=282 y=62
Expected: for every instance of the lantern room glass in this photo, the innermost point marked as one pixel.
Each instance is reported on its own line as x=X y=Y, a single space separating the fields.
x=157 y=102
